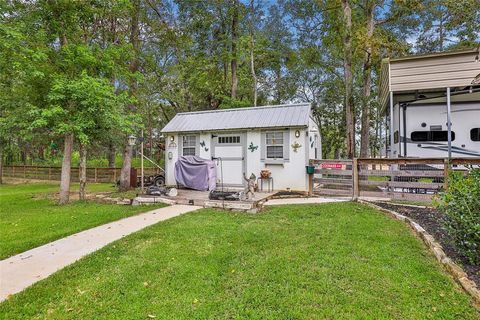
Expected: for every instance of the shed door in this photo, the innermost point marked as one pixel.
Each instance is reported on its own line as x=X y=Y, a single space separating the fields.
x=229 y=148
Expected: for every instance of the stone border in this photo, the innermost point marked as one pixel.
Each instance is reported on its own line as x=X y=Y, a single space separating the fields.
x=106 y=199
x=454 y=269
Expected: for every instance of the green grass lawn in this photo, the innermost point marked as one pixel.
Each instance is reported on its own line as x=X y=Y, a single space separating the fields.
x=331 y=261
x=29 y=217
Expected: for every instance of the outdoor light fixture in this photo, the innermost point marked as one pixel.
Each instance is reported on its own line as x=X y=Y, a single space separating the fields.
x=172 y=138
x=297 y=134
x=132 y=140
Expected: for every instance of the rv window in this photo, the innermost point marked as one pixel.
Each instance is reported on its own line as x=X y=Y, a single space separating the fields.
x=424 y=136
x=189 y=145
x=475 y=134
x=274 y=143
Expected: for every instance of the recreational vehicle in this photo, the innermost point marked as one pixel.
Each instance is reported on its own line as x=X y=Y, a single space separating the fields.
x=431 y=105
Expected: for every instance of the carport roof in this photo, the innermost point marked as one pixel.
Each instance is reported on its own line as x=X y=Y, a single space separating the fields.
x=291 y=115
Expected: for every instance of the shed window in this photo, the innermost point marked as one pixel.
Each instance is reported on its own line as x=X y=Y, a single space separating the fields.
x=229 y=139
x=475 y=134
x=189 y=145
x=426 y=136
x=274 y=143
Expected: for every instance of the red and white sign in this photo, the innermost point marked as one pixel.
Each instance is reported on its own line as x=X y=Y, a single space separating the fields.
x=331 y=166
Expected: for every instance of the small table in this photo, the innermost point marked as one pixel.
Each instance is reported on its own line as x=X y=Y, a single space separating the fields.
x=270 y=183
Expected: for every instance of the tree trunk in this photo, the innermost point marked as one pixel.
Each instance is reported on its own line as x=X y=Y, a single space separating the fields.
x=440 y=30
x=134 y=40
x=347 y=64
x=367 y=85
x=66 y=168
x=234 y=49
x=83 y=171
x=252 y=49
x=126 y=168
x=111 y=155
x=1 y=163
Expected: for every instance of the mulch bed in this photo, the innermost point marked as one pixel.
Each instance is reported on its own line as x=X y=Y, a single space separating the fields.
x=430 y=219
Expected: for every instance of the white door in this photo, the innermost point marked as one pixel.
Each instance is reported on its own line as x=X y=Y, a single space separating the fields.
x=229 y=151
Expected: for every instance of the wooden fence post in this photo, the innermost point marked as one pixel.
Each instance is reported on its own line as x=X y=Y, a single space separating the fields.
x=114 y=175
x=24 y=173
x=310 y=184
x=355 y=179
x=13 y=171
x=95 y=174
x=446 y=169
x=49 y=173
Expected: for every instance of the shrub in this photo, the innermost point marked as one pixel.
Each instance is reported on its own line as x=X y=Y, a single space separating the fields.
x=461 y=206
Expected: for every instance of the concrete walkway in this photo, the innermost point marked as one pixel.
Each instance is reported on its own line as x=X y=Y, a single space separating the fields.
x=312 y=200
x=23 y=270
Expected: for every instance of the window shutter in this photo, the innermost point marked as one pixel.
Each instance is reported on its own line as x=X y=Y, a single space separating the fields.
x=197 y=145
x=180 y=145
x=263 y=147
x=286 y=145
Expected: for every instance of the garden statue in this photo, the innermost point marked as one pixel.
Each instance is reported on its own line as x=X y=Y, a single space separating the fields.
x=250 y=189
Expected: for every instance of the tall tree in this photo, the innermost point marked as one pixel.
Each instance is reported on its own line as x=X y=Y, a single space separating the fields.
x=369 y=8
x=252 y=51
x=134 y=67
x=348 y=75
x=233 y=66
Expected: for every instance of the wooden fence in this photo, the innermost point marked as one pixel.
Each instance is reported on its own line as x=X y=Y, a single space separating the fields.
x=402 y=178
x=53 y=173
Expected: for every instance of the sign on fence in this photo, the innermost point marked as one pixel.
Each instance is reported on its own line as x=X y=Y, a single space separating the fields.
x=329 y=165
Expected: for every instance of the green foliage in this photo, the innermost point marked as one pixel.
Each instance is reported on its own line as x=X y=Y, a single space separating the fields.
x=85 y=106
x=184 y=61
x=461 y=206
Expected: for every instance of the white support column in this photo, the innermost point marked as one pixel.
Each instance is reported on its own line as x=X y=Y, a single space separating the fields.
x=391 y=125
x=449 y=124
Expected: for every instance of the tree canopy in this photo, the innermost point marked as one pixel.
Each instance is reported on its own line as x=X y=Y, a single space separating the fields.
x=100 y=70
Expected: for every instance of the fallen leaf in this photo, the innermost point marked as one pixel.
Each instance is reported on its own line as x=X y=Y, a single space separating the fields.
x=81 y=291
x=195 y=301
x=151 y=316
x=145 y=284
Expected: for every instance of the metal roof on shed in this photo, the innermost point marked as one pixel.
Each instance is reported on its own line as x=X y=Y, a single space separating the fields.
x=292 y=115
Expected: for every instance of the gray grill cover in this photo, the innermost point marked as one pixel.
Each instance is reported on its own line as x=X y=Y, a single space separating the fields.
x=196 y=173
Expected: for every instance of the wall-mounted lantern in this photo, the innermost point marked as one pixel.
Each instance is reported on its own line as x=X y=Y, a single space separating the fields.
x=131 y=140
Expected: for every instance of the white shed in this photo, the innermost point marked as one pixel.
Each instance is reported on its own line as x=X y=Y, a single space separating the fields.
x=280 y=138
